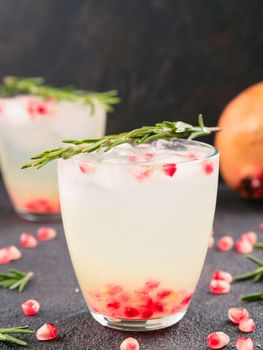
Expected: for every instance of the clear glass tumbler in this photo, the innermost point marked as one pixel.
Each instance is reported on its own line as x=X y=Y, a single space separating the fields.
x=137 y=222
x=28 y=125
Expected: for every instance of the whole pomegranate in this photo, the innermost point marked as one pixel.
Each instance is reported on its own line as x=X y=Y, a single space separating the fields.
x=241 y=142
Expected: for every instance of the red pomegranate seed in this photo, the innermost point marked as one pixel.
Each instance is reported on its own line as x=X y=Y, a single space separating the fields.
x=157 y=306
x=133 y=158
x=261 y=226
x=46 y=233
x=217 y=340
x=148 y=155
x=4 y=257
x=247 y=325
x=27 y=240
x=124 y=297
x=169 y=169
x=13 y=252
x=47 y=332
x=143 y=174
x=211 y=242
x=42 y=109
x=223 y=276
x=186 y=300
x=225 y=243
x=131 y=311
x=163 y=293
x=243 y=246
x=146 y=314
x=113 y=289
x=129 y=344
x=250 y=236
x=113 y=305
x=236 y=314
x=219 y=287
x=84 y=167
x=150 y=285
x=244 y=344
x=30 y=307
x=208 y=168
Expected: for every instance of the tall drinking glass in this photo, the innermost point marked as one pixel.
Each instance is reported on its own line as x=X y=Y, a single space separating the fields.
x=29 y=124
x=137 y=222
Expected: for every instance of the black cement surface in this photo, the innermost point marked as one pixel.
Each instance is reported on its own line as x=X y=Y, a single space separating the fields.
x=54 y=286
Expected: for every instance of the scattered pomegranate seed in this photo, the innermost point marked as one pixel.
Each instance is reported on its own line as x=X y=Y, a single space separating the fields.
x=30 y=307
x=84 y=167
x=46 y=233
x=4 y=257
x=131 y=311
x=13 y=252
x=27 y=240
x=169 y=169
x=247 y=325
x=47 y=332
x=223 y=276
x=236 y=314
x=208 y=168
x=217 y=340
x=261 y=226
x=211 y=242
x=243 y=246
x=225 y=243
x=219 y=287
x=244 y=344
x=129 y=344
x=250 y=236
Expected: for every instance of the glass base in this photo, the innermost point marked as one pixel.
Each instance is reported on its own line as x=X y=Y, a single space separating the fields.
x=42 y=218
x=139 y=325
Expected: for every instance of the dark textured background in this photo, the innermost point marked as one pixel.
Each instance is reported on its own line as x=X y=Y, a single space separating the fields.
x=168 y=58
x=54 y=286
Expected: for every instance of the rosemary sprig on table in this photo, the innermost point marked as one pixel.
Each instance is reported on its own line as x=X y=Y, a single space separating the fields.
x=258 y=245
x=35 y=86
x=164 y=130
x=15 y=279
x=256 y=275
x=5 y=337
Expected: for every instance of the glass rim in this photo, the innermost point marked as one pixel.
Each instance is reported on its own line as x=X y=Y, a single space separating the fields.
x=87 y=156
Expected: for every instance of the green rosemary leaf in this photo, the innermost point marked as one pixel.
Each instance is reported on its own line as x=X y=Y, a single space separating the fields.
x=252 y=297
x=258 y=245
x=19 y=329
x=12 y=340
x=164 y=130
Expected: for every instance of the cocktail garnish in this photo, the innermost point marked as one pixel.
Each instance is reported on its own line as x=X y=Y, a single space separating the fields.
x=146 y=134
x=35 y=86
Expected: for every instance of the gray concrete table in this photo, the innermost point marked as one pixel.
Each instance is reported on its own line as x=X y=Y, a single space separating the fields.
x=54 y=286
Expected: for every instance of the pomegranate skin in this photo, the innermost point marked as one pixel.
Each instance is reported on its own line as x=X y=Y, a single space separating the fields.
x=241 y=142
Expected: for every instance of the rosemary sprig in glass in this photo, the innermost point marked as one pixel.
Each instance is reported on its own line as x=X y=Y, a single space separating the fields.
x=5 y=337
x=256 y=275
x=15 y=279
x=146 y=134
x=35 y=86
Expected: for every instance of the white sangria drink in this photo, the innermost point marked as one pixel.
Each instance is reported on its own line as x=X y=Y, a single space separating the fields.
x=137 y=221
x=29 y=124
